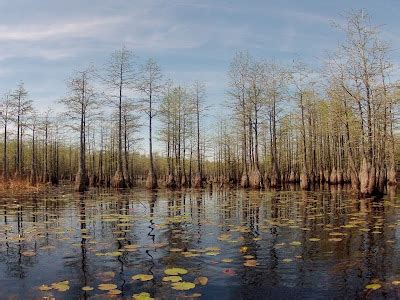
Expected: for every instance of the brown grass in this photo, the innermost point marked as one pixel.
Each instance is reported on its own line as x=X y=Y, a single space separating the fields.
x=20 y=185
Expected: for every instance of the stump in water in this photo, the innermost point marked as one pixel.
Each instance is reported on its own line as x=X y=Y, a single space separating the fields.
x=371 y=181
x=321 y=176
x=381 y=180
x=292 y=177
x=118 y=180
x=170 y=182
x=244 y=181
x=54 y=180
x=128 y=180
x=297 y=177
x=198 y=182
x=33 y=179
x=283 y=178
x=391 y=175
x=312 y=178
x=94 y=180
x=339 y=176
x=151 y=181
x=81 y=182
x=304 y=180
x=267 y=181
x=275 y=182
x=222 y=180
x=255 y=179
x=346 y=176
x=184 y=181
x=364 y=176
x=333 y=176
x=326 y=176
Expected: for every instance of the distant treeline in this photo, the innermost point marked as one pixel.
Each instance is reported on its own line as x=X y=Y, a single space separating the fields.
x=281 y=124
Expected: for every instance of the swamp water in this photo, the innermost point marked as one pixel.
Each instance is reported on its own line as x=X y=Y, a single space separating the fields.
x=225 y=244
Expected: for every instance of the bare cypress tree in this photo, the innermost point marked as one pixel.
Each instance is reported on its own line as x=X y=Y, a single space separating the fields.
x=5 y=115
x=150 y=85
x=198 y=97
x=238 y=85
x=22 y=106
x=80 y=102
x=33 y=123
x=119 y=78
x=361 y=68
x=46 y=127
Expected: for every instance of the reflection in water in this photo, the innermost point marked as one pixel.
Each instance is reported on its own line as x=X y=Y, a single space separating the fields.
x=248 y=243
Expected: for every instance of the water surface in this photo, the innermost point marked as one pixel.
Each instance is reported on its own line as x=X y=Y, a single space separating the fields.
x=248 y=244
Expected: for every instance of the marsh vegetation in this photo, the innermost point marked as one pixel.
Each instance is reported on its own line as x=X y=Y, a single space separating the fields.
x=282 y=124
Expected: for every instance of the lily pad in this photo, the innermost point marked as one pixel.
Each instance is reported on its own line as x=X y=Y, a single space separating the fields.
x=183 y=286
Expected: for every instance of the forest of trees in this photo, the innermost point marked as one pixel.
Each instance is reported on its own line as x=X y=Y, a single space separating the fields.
x=282 y=124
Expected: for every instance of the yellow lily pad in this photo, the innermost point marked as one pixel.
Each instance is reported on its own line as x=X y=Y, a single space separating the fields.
x=45 y=287
x=61 y=286
x=314 y=239
x=295 y=243
x=107 y=286
x=250 y=263
x=373 y=286
x=172 y=278
x=114 y=292
x=142 y=277
x=142 y=296
x=175 y=271
x=183 y=286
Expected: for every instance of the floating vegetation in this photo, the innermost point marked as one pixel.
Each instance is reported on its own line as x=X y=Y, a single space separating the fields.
x=117 y=245
x=183 y=286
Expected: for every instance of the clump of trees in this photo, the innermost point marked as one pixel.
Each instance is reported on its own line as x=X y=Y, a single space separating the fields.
x=181 y=112
x=282 y=124
x=334 y=127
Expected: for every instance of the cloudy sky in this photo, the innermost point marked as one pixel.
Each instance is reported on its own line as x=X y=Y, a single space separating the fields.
x=43 y=41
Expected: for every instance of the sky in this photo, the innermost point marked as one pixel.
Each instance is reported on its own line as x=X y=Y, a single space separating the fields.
x=42 y=42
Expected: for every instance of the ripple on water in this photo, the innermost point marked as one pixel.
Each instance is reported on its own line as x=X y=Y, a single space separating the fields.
x=246 y=244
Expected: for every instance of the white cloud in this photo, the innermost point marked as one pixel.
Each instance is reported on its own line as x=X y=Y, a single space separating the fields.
x=32 y=32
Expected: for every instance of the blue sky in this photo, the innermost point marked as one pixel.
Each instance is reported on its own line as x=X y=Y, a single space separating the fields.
x=43 y=41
